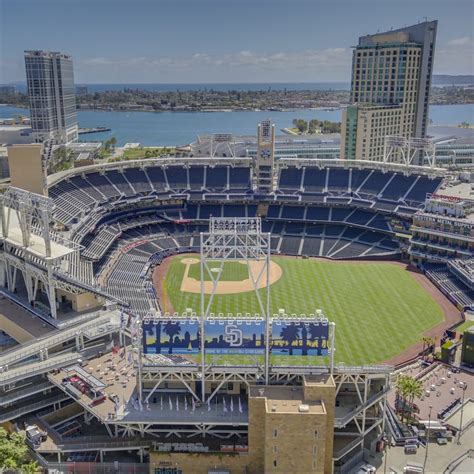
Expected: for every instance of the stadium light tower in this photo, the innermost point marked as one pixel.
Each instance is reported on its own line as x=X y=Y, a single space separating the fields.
x=406 y=149
x=236 y=239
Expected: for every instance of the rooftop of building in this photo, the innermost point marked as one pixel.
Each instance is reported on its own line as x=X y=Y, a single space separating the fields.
x=14 y=128
x=287 y=399
x=84 y=146
x=45 y=54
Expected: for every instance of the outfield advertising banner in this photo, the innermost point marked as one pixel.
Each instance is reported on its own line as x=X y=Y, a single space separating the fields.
x=171 y=336
x=230 y=336
x=299 y=337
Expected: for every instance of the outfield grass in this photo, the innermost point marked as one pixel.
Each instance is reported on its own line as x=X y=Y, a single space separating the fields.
x=232 y=271
x=379 y=308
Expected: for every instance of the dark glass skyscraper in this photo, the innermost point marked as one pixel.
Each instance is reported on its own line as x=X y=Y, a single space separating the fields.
x=52 y=95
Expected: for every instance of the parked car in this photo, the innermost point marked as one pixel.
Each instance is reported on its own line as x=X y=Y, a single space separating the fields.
x=366 y=469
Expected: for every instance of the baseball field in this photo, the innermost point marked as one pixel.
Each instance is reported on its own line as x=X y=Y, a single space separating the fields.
x=380 y=309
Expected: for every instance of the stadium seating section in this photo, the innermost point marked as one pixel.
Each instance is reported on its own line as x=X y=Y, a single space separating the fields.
x=139 y=215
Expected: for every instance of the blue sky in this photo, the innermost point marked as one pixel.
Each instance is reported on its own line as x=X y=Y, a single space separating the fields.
x=186 y=41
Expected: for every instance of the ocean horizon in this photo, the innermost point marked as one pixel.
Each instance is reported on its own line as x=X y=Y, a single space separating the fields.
x=217 y=86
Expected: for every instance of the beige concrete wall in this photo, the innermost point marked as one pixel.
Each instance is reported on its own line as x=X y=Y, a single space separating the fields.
x=201 y=463
x=83 y=301
x=63 y=413
x=256 y=434
x=295 y=442
x=20 y=334
x=26 y=168
x=327 y=394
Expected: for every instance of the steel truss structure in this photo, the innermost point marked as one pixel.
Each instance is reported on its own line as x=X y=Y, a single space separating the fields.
x=407 y=149
x=368 y=386
x=234 y=239
x=28 y=245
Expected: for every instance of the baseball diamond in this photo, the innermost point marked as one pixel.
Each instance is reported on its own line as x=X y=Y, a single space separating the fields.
x=380 y=308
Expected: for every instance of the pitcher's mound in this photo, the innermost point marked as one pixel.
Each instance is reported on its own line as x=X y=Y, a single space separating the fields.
x=191 y=285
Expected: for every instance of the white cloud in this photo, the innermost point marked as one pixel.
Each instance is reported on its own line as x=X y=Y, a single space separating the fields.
x=309 y=65
x=455 y=56
x=460 y=41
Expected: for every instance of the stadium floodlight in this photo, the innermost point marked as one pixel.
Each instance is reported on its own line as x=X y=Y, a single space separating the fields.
x=235 y=239
x=404 y=149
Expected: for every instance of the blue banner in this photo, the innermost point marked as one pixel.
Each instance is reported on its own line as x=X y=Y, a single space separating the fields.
x=171 y=336
x=230 y=336
x=297 y=337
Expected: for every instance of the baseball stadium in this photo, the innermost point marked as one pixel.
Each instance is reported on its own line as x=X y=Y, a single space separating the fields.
x=213 y=314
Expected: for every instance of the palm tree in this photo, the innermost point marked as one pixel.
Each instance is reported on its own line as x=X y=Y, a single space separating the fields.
x=414 y=390
x=408 y=388
x=290 y=333
x=401 y=392
x=171 y=329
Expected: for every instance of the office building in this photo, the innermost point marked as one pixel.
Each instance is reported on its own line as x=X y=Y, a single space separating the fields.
x=51 y=91
x=391 y=78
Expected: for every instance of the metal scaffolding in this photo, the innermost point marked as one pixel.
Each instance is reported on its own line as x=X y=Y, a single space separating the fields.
x=407 y=149
x=235 y=239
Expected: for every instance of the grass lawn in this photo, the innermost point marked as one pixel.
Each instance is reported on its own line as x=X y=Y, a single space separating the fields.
x=232 y=271
x=145 y=152
x=465 y=325
x=379 y=308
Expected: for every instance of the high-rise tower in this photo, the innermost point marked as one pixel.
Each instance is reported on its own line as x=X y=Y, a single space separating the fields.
x=52 y=95
x=391 y=79
x=265 y=155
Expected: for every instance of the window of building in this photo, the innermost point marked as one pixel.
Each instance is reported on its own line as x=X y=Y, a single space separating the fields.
x=275 y=433
x=274 y=463
x=275 y=448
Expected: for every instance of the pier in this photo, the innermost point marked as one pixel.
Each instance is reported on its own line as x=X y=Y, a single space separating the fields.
x=84 y=131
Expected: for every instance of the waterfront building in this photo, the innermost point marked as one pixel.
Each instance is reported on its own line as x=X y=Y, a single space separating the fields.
x=10 y=134
x=7 y=89
x=391 y=78
x=82 y=90
x=51 y=91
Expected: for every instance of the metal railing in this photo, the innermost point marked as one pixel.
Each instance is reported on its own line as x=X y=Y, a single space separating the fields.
x=24 y=392
x=37 y=368
x=10 y=415
x=34 y=347
x=95 y=467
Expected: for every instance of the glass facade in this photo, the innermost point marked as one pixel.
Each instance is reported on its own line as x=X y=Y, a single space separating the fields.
x=51 y=90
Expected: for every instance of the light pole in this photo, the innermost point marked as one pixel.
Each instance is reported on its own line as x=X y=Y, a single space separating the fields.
x=427 y=438
x=464 y=388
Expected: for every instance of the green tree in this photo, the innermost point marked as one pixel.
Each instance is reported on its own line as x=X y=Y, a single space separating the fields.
x=13 y=450
x=30 y=468
x=408 y=389
x=113 y=142
x=301 y=125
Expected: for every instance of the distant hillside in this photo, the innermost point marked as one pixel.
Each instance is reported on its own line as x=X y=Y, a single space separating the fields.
x=444 y=79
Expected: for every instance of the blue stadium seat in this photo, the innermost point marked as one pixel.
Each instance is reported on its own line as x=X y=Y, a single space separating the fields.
x=177 y=177
x=338 y=179
x=314 y=179
x=317 y=213
x=292 y=212
x=290 y=179
x=216 y=178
